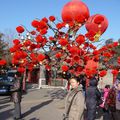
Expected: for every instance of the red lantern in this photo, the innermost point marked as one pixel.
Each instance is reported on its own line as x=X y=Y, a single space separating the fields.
x=75 y=11
x=97 y=23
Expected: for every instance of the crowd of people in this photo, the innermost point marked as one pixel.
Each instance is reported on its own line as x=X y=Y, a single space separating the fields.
x=82 y=102
x=85 y=102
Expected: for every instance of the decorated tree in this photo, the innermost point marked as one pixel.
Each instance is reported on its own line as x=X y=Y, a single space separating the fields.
x=60 y=43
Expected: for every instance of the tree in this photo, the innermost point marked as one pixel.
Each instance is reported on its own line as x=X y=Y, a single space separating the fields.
x=109 y=41
x=3 y=47
x=61 y=44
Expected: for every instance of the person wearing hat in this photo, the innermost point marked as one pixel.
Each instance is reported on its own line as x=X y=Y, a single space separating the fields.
x=92 y=98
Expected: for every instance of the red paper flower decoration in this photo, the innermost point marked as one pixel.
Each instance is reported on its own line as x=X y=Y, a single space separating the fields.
x=45 y=19
x=35 y=23
x=33 y=32
x=16 y=41
x=48 y=67
x=115 y=44
x=41 y=57
x=103 y=73
x=39 y=39
x=52 y=18
x=76 y=58
x=58 y=55
x=14 y=61
x=42 y=25
x=115 y=72
x=33 y=46
x=59 y=25
x=51 y=38
x=43 y=32
x=63 y=42
x=27 y=43
x=118 y=60
x=2 y=62
x=21 y=69
x=20 y=29
x=65 y=68
x=90 y=72
x=12 y=49
x=80 y=39
x=96 y=52
x=74 y=50
x=107 y=54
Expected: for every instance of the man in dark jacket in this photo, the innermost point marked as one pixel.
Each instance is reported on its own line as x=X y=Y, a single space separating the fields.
x=16 y=96
x=93 y=95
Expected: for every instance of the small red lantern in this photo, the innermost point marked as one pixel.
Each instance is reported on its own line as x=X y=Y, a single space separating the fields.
x=91 y=64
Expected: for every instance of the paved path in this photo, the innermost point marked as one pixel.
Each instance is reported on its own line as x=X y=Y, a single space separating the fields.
x=43 y=104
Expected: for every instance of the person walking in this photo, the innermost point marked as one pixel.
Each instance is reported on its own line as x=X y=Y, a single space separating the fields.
x=74 y=103
x=16 y=96
x=92 y=97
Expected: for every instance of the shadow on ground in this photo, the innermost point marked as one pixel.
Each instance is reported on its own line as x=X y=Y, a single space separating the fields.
x=36 y=107
x=4 y=106
x=5 y=100
x=57 y=94
x=5 y=115
x=34 y=119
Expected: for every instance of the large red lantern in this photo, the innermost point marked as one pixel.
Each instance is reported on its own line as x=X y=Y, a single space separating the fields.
x=91 y=64
x=75 y=11
x=98 y=24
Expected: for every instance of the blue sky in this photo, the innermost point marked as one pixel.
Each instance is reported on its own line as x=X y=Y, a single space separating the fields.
x=16 y=12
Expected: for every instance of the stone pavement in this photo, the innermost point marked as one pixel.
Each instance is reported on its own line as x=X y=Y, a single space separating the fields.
x=37 y=104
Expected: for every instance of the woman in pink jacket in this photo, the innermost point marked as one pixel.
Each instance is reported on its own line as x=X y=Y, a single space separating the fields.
x=105 y=94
